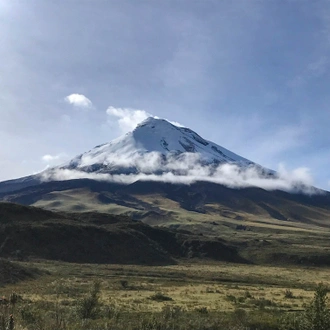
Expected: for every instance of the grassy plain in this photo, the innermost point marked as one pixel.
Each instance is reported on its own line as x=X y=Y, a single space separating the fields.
x=190 y=285
x=285 y=261
x=132 y=294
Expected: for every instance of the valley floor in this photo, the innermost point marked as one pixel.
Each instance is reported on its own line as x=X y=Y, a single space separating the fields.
x=202 y=289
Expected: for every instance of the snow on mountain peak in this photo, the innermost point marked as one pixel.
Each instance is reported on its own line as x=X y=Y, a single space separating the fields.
x=153 y=143
x=157 y=150
x=152 y=121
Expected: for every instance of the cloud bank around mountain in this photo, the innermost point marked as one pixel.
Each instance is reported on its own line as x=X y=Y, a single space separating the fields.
x=188 y=168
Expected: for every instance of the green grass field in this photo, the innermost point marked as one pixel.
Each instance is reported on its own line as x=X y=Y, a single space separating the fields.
x=132 y=296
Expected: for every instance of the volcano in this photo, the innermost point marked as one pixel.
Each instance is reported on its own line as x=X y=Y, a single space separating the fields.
x=163 y=173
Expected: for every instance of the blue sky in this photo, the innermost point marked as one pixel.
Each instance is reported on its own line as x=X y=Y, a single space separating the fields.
x=250 y=75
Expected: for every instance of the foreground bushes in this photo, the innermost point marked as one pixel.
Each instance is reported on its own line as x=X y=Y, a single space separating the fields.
x=315 y=317
x=89 y=313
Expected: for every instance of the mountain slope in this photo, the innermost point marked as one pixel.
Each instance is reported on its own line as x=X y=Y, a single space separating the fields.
x=152 y=136
x=11 y=272
x=167 y=204
x=102 y=238
x=28 y=232
x=162 y=173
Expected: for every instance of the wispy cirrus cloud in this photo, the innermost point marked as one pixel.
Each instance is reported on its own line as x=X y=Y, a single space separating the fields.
x=313 y=70
x=79 y=101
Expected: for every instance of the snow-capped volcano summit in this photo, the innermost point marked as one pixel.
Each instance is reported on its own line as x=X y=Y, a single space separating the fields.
x=152 y=147
x=155 y=151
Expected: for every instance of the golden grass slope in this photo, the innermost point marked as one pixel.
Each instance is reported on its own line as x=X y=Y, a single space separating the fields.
x=156 y=209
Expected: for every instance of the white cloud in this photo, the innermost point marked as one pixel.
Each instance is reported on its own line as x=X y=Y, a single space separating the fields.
x=50 y=159
x=300 y=174
x=47 y=158
x=127 y=118
x=79 y=100
x=188 y=168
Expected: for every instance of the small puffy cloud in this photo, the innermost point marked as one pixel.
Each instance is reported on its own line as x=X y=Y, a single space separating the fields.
x=127 y=118
x=50 y=159
x=47 y=158
x=79 y=100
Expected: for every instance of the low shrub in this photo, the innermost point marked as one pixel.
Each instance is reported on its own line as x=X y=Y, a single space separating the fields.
x=89 y=306
x=159 y=296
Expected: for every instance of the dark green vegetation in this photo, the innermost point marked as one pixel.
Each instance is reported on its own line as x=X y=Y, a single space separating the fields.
x=28 y=232
x=13 y=273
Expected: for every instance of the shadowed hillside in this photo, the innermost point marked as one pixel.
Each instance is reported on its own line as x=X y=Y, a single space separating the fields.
x=11 y=272
x=28 y=232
